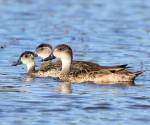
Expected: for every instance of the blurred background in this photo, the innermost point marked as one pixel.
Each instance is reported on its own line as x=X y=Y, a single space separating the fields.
x=107 y=32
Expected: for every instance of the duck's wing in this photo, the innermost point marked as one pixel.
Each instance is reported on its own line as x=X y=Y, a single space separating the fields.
x=114 y=77
x=94 y=66
x=115 y=68
x=85 y=63
x=45 y=66
x=83 y=75
x=134 y=74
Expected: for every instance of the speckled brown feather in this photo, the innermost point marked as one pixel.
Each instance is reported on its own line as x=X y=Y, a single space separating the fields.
x=48 y=65
x=102 y=76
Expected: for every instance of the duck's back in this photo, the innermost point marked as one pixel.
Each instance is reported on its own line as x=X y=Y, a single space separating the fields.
x=82 y=71
x=81 y=65
x=102 y=76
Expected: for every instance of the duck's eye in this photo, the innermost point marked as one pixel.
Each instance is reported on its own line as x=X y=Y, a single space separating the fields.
x=26 y=56
x=60 y=49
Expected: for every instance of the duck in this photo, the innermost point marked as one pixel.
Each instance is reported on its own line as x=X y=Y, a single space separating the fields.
x=44 y=51
x=94 y=74
x=28 y=58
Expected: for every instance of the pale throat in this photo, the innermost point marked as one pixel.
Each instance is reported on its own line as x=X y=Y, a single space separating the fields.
x=31 y=66
x=44 y=56
x=66 y=64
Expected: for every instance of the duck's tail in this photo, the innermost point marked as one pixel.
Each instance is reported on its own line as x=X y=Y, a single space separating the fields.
x=138 y=73
x=118 y=66
x=122 y=66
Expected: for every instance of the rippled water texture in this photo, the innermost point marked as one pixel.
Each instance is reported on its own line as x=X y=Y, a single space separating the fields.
x=104 y=31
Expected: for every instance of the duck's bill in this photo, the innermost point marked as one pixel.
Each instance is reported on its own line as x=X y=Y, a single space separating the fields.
x=17 y=63
x=35 y=54
x=51 y=57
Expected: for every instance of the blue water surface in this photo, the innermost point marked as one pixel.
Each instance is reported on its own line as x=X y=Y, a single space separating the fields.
x=107 y=32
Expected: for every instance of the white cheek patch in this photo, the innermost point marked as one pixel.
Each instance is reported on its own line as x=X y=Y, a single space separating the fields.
x=30 y=63
x=23 y=61
x=56 y=54
x=26 y=61
x=43 y=55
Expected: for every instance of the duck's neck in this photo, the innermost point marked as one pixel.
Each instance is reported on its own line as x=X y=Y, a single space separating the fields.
x=43 y=62
x=66 y=65
x=31 y=67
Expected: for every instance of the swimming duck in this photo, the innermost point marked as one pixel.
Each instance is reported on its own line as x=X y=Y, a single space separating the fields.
x=44 y=51
x=96 y=74
x=27 y=58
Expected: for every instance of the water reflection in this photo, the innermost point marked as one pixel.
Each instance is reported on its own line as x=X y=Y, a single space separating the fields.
x=28 y=79
x=102 y=31
x=10 y=89
x=65 y=87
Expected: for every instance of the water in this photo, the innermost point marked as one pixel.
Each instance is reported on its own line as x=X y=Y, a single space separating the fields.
x=104 y=31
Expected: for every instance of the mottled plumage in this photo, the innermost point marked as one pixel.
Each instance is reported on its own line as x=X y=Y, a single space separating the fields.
x=80 y=71
x=45 y=50
x=27 y=58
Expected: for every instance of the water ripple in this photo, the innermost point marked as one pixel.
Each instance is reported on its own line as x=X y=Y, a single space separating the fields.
x=103 y=31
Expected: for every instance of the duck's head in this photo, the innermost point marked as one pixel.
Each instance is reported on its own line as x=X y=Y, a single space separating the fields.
x=26 y=58
x=43 y=50
x=62 y=52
